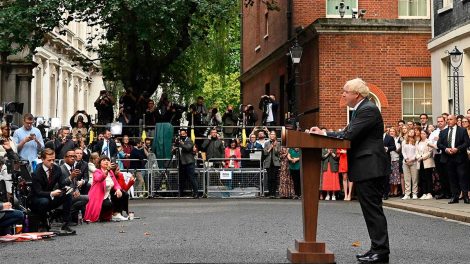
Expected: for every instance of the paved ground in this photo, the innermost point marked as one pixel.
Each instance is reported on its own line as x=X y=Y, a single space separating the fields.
x=250 y=230
x=440 y=208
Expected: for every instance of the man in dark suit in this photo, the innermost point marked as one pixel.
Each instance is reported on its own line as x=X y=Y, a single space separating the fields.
x=62 y=143
x=74 y=179
x=453 y=143
x=368 y=165
x=49 y=190
x=423 y=121
x=84 y=174
x=107 y=146
x=187 y=163
x=389 y=145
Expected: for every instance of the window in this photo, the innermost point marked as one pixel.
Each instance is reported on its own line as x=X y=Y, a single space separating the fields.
x=417 y=99
x=413 y=8
x=331 y=5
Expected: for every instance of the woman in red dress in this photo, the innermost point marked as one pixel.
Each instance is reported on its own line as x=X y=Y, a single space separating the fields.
x=330 y=177
x=343 y=169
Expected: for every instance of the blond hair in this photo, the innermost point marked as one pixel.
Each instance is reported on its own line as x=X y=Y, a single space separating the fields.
x=359 y=86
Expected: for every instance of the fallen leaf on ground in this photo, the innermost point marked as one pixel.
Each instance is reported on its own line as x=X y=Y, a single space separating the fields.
x=146 y=234
x=122 y=231
x=356 y=244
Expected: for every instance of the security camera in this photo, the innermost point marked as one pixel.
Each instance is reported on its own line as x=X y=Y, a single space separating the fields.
x=362 y=12
x=354 y=12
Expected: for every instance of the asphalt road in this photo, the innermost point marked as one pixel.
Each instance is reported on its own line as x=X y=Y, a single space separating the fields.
x=249 y=230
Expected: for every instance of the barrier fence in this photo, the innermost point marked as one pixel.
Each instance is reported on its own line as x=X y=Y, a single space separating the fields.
x=213 y=179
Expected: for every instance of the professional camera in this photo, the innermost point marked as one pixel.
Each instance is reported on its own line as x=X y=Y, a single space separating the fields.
x=21 y=181
x=266 y=99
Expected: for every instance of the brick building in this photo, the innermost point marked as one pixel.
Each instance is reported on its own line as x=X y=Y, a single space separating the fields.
x=387 y=47
x=451 y=29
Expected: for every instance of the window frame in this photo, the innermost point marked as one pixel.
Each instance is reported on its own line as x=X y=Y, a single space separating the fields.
x=428 y=11
x=415 y=116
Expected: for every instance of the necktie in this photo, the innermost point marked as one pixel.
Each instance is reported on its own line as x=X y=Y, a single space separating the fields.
x=49 y=175
x=449 y=138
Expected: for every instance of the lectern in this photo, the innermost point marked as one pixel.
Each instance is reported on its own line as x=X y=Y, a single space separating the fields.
x=309 y=250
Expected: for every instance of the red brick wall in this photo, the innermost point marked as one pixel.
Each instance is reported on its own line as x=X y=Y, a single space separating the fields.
x=304 y=13
x=253 y=33
x=373 y=57
x=254 y=88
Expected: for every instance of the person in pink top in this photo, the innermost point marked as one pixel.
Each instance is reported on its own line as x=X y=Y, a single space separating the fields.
x=232 y=155
x=105 y=195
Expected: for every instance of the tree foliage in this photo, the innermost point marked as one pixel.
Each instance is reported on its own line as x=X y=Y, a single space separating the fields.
x=144 y=44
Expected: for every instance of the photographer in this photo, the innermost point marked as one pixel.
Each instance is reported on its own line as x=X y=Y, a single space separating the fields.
x=7 y=152
x=185 y=148
x=250 y=118
x=229 y=119
x=6 y=137
x=214 y=119
x=28 y=139
x=80 y=115
x=269 y=107
x=214 y=148
x=46 y=196
x=62 y=143
x=104 y=105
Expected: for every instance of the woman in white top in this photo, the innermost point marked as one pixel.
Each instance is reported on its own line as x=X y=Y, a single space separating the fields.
x=425 y=165
x=94 y=157
x=410 y=172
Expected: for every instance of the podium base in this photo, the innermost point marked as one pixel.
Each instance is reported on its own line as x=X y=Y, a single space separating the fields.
x=310 y=252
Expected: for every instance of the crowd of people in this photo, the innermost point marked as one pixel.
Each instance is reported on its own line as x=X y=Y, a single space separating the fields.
x=427 y=161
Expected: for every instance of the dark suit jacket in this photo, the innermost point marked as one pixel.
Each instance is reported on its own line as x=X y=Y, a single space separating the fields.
x=186 y=151
x=366 y=157
x=41 y=186
x=462 y=142
x=59 y=147
x=112 y=148
x=389 y=142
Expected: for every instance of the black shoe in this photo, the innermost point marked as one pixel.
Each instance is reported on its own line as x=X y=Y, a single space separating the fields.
x=454 y=200
x=374 y=258
x=466 y=200
x=73 y=223
x=385 y=197
x=66 y=230
x=358 y=256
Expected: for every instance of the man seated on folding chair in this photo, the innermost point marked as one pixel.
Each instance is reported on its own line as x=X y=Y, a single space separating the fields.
x=49 y=191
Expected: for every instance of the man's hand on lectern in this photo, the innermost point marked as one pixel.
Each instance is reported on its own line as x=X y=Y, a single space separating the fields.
x=316 y=130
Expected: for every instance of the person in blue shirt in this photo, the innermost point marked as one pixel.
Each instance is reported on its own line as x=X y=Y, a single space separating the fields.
x=28 y=139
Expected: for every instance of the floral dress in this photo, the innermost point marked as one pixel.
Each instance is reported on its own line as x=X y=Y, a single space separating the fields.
x=286 y=185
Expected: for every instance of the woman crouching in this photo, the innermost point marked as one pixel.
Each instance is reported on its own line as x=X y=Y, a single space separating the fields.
x=105 y=196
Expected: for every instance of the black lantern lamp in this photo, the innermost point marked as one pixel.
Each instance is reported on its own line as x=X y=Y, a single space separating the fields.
x=456 y=57
x=296 y=52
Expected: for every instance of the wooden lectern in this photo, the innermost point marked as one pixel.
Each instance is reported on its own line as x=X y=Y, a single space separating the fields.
x=310 y=250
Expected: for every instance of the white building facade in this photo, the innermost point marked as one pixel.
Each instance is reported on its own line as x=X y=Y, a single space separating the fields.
x=451 y=29
x=60 y=86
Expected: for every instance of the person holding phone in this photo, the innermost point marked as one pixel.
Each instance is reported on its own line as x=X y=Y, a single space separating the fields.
x=28 y=139
x=106 y=199
x=45 y=196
